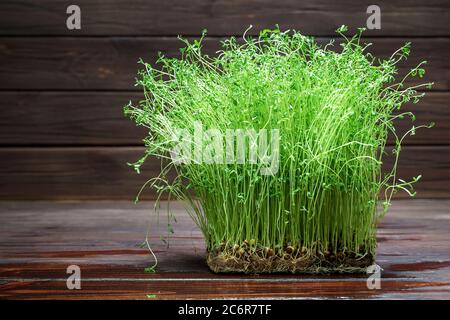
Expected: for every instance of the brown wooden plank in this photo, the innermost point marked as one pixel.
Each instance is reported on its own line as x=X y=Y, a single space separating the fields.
x=67 y=118
x=102 y=173
x=96 y=118
x=430 y=162
x=38 y=240
x=222 y=17
x=111 y=63
x=170 y=290
x=434 y=107
x=72 y=173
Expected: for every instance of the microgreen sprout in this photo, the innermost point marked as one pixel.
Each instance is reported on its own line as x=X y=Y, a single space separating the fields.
x=334 y=110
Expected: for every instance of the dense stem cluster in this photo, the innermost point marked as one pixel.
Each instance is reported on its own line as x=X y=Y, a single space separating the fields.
x=334 y=108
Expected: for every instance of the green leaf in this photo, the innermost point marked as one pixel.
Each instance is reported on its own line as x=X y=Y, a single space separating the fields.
x=149 y=269
x=342 y=29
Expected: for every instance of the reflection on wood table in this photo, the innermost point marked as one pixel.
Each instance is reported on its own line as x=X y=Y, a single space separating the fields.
x=39 y=240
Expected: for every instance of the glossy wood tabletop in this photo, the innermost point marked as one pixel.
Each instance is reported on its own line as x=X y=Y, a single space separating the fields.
x=39 y=240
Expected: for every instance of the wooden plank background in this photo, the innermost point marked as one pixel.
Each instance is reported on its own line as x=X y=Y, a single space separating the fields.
x=222 y=17
x=101 y=237
x=62 y=132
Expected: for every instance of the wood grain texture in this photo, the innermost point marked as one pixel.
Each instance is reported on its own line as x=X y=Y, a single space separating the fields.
x=64 y=63
x=72 y=173
x=221 y=17
x=68 y=118
x=62 y=92
x=96 y=119
x=38 y=240
x=102 y=172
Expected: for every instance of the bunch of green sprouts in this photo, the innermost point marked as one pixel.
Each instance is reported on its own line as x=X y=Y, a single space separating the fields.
x=334 y=110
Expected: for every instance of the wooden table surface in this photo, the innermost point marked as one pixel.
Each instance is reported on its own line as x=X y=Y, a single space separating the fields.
x=39 y=240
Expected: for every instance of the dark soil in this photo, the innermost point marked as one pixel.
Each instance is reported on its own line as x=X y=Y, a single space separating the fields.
x=265 y=261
